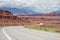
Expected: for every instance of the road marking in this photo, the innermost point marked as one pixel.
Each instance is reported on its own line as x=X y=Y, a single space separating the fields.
x=6 y=34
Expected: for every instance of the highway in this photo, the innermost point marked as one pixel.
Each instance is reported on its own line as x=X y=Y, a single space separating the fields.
x=20 y=33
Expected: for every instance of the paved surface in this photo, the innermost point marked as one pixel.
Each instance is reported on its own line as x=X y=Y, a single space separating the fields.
x=20 y=33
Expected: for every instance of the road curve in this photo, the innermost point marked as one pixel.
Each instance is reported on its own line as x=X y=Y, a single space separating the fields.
x=9 y=38
x=20 y=33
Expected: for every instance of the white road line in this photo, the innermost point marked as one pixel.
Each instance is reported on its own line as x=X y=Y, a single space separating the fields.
x=6 y=34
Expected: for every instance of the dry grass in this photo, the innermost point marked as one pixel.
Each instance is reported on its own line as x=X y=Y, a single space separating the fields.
x=49 y=28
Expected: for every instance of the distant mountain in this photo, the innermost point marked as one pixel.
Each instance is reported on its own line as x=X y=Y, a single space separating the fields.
x=46 y=14
x=29 y=12
x=53 y=14
x=18 y=11
x=58 y=10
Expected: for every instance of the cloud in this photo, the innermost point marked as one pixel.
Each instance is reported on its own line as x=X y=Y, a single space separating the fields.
x=48 y=5
x=36 y=5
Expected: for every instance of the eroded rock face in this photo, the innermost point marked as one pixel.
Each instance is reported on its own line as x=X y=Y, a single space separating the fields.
x=7 y=18
x=5 y=13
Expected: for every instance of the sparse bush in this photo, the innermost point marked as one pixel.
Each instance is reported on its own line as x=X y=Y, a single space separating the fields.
x=57 y=31
x=44 y=29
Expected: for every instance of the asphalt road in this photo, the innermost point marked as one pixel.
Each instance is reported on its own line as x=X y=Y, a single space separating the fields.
x=20 y=33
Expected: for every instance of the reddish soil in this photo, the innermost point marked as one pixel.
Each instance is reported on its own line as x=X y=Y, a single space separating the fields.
x=8 y=19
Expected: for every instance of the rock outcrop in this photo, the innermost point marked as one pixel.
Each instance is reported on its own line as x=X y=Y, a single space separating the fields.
x=7 y=18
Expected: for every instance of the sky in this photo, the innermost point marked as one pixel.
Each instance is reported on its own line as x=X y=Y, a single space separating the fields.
x=36 y=5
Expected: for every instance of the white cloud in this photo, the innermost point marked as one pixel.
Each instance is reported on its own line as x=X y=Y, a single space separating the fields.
x=37 y=5
x=47 y=5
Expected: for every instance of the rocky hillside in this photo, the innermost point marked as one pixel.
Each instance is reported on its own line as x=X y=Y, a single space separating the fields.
x=8 y=19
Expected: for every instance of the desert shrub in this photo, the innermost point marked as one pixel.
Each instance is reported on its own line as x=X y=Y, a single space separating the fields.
x=43 y=28
x=57 y=31
x=46 y=29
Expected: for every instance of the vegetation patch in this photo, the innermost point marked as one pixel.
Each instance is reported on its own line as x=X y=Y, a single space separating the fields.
x=43 y=29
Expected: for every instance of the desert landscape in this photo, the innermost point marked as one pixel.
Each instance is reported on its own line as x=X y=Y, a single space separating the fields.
x=29 y=19
x=50 y=20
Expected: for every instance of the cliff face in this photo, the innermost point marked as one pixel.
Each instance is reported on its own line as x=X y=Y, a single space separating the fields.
x=5 y=13
x=7 y=18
